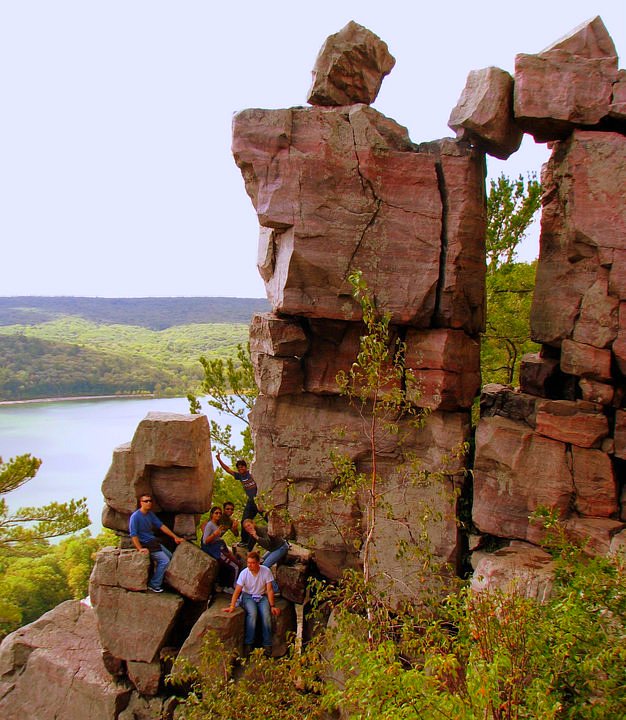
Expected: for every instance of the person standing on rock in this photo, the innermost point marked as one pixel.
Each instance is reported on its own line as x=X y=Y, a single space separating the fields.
x=254 y=584
x=247 y=481
x=142 y=526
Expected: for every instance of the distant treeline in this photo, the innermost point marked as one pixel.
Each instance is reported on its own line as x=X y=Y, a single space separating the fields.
x=33 y=368
x=69 y=355
x=153 y=313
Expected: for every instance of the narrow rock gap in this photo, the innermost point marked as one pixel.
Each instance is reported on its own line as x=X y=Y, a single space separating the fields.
x=443 y=253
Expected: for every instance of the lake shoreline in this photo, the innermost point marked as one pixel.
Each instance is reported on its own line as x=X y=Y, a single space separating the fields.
x=147 y=396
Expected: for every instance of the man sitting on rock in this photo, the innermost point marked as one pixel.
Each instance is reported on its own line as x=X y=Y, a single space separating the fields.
x=142 y=524
x=254 y=584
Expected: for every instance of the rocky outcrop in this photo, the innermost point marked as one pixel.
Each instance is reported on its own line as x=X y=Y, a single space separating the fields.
x=337 y=188
x=53 y=668
x=557 y=444
x=567 y=85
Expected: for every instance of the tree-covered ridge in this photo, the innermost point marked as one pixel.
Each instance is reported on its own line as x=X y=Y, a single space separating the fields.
x=71 y=357
x=154 y=313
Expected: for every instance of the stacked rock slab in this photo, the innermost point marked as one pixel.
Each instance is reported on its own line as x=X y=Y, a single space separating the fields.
x=559 y=441
x=169 y=458
x=339 y=187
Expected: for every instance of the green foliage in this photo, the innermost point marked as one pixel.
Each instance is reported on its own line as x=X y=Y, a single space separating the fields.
x=487 y=656
x=37 y=576
x=230 y=387
x=34 y=524
x=507 y=339
x=511 y=207
x=71 y=356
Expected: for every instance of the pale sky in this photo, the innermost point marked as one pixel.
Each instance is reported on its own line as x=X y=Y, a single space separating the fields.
x=116 y=177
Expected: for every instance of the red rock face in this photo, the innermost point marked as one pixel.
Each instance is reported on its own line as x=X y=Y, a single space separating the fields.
x=341 y=190
x=461 y=292
x=516 y=471
x=569 y=84
x=583 y=225
x=53 y=668
x=596 y=487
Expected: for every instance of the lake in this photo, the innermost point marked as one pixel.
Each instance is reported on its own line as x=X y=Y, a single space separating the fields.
x=75 y=439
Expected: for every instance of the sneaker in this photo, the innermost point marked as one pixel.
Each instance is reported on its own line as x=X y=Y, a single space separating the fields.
x=157 y=590
x=228 y=591
x=218 y=588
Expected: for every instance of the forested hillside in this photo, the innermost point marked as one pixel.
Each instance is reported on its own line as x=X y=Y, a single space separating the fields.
x=96 y=346
x=155 y=313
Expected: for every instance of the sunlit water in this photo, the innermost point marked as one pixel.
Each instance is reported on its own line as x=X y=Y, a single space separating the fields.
x=75 y=439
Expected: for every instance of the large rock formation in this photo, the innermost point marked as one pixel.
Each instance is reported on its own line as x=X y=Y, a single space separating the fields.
x=556 y=444
x=339 y=187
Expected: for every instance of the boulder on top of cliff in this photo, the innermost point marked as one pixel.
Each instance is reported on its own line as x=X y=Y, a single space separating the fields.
x=350 y=67
x=519 y=567
x=169 y=458
x=516 y=471
x=52 y=669
x=342 y=190
x=568 y=84
x=484 y=113
x=583 y=231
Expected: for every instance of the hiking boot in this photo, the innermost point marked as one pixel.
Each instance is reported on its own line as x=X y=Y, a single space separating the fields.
x=267 y=651
x=247 y=650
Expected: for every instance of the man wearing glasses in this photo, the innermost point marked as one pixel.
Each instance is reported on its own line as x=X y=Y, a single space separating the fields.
x=142 y=525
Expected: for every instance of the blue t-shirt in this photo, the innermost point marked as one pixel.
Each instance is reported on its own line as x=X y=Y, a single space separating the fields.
x=142 y=526
x=247 y=482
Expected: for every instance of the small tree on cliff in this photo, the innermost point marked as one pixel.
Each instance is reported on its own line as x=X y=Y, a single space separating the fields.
x=511 y=208
x=229 y=387
x=34 y=524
